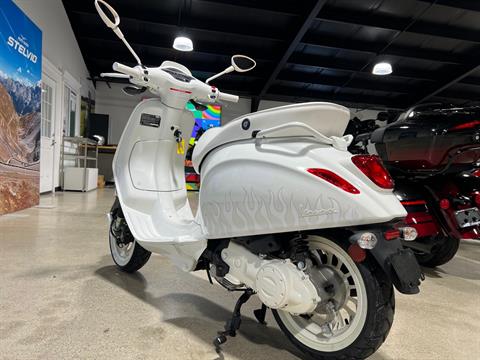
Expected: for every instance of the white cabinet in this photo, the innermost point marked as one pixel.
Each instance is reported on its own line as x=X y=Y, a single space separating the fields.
x=80 y=179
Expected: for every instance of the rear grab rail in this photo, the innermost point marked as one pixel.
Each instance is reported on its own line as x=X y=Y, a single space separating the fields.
x=340 y=143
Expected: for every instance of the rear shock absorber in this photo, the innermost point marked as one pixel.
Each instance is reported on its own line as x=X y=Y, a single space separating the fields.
x=300 y=251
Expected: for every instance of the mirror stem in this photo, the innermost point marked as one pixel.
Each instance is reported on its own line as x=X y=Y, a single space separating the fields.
x=119 y=33
x=226 y=71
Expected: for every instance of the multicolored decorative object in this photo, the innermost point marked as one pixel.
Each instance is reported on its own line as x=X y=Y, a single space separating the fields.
x=204 y=120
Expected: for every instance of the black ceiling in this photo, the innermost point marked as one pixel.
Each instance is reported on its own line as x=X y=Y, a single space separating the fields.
x=305 y=50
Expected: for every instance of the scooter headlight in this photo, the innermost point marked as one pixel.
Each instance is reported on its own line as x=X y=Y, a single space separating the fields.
x=367 y=240
x=408 y=233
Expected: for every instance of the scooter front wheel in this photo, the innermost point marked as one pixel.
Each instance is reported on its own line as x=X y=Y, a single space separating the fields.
x=127 y=254
x=354 y=320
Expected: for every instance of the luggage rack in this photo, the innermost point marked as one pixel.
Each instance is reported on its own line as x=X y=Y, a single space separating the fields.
x=79 y=150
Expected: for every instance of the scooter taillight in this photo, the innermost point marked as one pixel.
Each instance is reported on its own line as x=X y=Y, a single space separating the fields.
x=373 y=168
x=334 y=179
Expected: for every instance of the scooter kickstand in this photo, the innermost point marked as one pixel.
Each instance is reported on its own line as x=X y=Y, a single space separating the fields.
x=260 y=314
x=233 y=324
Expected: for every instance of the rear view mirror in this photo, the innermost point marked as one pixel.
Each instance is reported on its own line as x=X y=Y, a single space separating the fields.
x=113 y=24
x=240 y=63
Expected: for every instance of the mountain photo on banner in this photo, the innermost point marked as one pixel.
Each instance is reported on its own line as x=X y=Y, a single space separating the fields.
x=20 y=108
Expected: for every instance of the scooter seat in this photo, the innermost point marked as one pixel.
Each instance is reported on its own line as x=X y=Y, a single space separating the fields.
x=328 y=118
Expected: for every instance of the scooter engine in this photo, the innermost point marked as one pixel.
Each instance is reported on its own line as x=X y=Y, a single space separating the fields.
x=280 y=284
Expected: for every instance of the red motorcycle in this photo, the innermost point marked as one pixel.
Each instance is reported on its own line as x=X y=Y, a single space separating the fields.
x=433 y=154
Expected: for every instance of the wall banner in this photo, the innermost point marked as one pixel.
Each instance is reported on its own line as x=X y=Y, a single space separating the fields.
x=20 y=103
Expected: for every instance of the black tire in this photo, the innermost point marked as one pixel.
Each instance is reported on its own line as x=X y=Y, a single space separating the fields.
x=380 y=312
x=441 y=254
x=139 y=256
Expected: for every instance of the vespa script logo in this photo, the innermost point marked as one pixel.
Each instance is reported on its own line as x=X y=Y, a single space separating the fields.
x=317 y=212
x=21 y=45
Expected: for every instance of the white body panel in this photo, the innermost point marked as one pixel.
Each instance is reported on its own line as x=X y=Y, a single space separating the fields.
x=261 y=186
x=150 y=182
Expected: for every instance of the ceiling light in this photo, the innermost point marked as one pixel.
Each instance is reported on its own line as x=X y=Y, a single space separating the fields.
x=183 y=43
x=382 y=68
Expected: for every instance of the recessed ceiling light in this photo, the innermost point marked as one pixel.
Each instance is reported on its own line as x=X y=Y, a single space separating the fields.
x=183 y=43
x=382 y=68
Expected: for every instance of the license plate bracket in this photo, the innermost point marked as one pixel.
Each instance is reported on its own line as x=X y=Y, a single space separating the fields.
x=468 y=217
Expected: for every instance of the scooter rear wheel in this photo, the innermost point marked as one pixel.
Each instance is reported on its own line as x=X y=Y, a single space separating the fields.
x=356 y=320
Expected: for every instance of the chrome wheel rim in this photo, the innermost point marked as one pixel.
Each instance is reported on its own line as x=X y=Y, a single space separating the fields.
x=121 y=253
x=339 y=319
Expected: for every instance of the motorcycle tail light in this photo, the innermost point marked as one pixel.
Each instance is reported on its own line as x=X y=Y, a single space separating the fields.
x=476 y=173
x=334 y=179
x=477 y=199
x=373 y=168
x=391 y=234
x=444 y=204
x=466 y=126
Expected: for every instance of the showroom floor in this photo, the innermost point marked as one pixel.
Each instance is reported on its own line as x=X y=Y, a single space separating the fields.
x=61 y=298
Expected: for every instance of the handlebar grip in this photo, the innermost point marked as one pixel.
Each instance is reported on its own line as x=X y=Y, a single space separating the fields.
x=228 y=97
x=124 y=69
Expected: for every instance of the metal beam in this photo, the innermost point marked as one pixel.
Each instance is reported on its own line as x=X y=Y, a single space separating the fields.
x=334 y=81
x=459 y=4
x=373 y=48
x=361 y=101
x=293 y=44
x=330 y=63
x=446 y=85
x=136 y=19
x=164 y=47
x=391 y=23
x=254 y=104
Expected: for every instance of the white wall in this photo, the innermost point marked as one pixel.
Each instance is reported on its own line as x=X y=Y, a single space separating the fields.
x=61 y=60
x=114 y=102
x=118 y=105
x=59 y=43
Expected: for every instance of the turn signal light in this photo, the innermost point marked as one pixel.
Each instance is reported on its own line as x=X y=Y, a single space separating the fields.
x=373 y=168
x=391 y=234
x=334 y=179
x=367 y=241
x=409 y=233
x=444 y=204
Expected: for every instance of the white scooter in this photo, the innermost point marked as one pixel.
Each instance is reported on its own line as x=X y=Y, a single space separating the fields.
x=285 y=211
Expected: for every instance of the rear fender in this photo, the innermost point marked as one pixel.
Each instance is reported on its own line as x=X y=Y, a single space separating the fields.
x=399 y=264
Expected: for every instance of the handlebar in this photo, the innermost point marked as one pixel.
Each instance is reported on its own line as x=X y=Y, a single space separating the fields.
x=227 y=97
x=203 y=91
x=127 y=70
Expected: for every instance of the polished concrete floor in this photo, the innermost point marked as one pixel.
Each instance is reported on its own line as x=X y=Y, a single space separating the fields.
x=61 y=298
